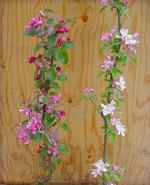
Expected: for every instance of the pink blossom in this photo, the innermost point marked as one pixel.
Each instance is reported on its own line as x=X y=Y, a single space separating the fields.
x=23 y=135
x=88 y=90
x=106 y=36
x=108 y=63
x=55 y=99
x=60 y=40
x=99 y=168
x=108 y=108
x=34 y=23
x=49 y=109
x=34 y=124
x=26 y=111
x=53 y=150
x=116 y=168
x=61 y=114
x=62 y=30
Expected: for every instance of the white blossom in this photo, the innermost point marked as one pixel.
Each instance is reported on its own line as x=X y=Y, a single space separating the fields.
x=120 y=127
x=99 y=168
x=120 y=83
x=108 y=108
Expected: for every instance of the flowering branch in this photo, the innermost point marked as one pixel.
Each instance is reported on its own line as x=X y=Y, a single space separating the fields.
x=120 y=47
x=43 y=117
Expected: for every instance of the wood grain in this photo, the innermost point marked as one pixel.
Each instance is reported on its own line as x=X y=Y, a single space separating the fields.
x=18 y=164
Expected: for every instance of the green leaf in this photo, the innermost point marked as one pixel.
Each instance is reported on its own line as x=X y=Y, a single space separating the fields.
x=37 y=137
x=51 y=21
x=68 y=45
x=56 y=161
x=49 y=120
x=55 y=86
x=43 y=153
x=107 y=178
x=37 y=83
x=64 y=126
x=115 y=72
x=122 y=58
x=63 y=148
x=107 y=119
x=48 y=52
x=52 y=39
x=61 y=56
x=46 y=99
x=37 y=48
x=116 y=177
x=62 y=77
x=52 y=74
x=115 y=45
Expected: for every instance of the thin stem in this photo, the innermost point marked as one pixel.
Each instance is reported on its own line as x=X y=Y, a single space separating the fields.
x=119 y=20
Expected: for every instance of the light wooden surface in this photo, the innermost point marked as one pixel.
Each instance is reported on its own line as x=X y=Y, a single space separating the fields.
x=18 y=163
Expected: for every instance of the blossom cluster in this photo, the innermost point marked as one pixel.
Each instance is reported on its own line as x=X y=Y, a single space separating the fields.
x=43 y=115
x=101 y=168
x=126 y=40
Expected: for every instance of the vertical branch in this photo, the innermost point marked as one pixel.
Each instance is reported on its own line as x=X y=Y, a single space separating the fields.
x=105 y=149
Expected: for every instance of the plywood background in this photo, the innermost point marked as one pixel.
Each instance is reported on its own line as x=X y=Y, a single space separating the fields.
x=18 y=163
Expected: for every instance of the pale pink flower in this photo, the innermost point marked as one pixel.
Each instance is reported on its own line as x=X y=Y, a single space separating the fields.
x=129 y=40
x=108 y=63
x=105 y=2
x=23 y=135
x=120 y=128
x=49 y=109
x=99 y=168
x=26 y=111
x=120 y=83
x=88 y=90
x=108 y=108
x=107 y=36
x=116 y=168
x=55 y=99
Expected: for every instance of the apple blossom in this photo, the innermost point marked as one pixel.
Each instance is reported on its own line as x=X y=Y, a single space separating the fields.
x=108 y=108
x=23 y=135
x=120 y=128
x=99 y=167
x=108 y=63
x=120 y=83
